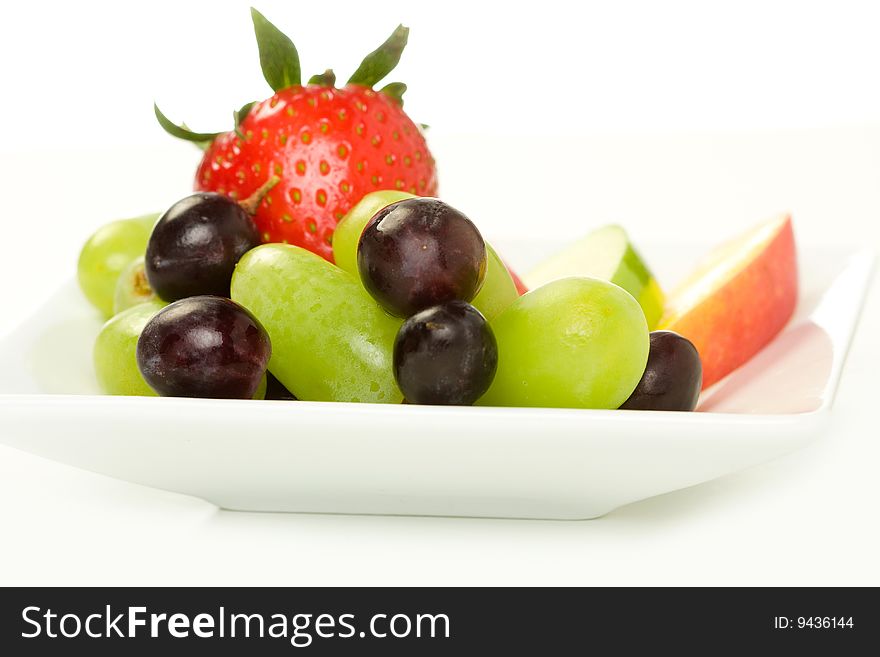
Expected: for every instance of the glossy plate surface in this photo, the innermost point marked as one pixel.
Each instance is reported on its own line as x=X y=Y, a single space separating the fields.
x=496 y=462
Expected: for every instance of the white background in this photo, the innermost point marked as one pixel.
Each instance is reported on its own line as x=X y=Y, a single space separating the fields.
x=677 y=119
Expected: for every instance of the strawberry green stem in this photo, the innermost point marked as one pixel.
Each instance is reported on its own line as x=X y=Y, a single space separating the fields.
x=278 y=56
x=252 y=202
x=240 y=115
x=325 y=79
x=381 y=61
x=395 y=91
x=181 y=131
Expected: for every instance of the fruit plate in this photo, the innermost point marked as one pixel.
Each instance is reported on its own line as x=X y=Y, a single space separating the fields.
x=451 y=461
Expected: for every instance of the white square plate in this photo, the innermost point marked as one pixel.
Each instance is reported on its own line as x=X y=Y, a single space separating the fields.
x=399 y=459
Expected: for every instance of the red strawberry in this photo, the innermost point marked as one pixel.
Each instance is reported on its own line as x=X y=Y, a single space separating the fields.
x=322 y=147
x=329 y=147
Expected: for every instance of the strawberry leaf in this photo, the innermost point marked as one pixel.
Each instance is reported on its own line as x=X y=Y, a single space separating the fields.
x=381 y=61
x=278 y=56
x=241 y=114
x=395 y=91
x=325 y=79
x=202 y=139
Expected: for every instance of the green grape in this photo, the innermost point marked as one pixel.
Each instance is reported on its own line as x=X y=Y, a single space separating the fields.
x=330 y=340
x=573 y=343
x=498 y=291
x=114 y=354
x=261 y=389
x=348 y=231
x=132 y=287
x=107 y=253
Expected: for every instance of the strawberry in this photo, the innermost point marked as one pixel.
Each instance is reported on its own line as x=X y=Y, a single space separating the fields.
x=314 y=150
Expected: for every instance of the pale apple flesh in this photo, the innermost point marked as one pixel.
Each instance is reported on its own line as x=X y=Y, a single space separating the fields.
x=739 y=299
x=608 y=254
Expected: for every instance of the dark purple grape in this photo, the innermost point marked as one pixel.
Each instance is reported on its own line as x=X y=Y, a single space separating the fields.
x=446 y=354
x=195 y=245
x=276 y=390
x=204 y=347
x=419 y=253
x=673 y=376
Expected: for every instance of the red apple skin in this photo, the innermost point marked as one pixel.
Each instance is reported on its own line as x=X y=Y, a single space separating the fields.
x=521 y=287
x=746 y=311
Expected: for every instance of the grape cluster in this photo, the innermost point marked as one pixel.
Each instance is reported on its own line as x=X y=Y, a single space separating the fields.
x=202 y=344
x=424 y=260
x=418 y=308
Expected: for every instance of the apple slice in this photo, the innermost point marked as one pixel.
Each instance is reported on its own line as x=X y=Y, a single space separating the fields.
x=605 y=253
x=521 y=287
x=738 y=298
